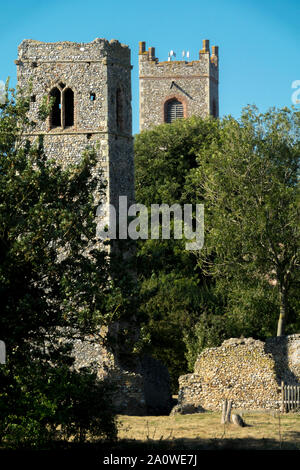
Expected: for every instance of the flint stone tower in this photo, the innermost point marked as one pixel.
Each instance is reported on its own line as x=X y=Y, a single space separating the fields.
x=178 y=88
x=91 y=87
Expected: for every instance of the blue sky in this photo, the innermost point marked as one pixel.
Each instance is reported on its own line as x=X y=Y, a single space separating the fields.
x=259 y=41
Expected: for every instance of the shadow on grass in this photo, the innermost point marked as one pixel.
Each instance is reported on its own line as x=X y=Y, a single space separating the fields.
x=105 y=453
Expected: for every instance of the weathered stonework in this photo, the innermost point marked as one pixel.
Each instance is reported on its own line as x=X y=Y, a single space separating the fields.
x=93 y=83
x=246 y=371
x=98 y=74
x=194 y=84
x=91 y=87
x=144 y=390
x=285 y=351
x=90 y=351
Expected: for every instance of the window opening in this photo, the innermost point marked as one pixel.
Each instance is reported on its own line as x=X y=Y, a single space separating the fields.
x=69 y=107
x=173 y=111
x=55 y=115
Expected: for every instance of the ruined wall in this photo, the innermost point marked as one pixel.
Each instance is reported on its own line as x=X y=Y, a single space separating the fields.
x=194 y=83
x=91 y=351
x=144 y=390
x=285 y=351
x=243 y=370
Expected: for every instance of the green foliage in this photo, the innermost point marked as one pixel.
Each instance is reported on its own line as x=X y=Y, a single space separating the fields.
x=41 y=404
x=168 y=306
x=173 y=292
x=47 y=228
x=164 y=157
x=252 y=310
x=246 y=174
x=248 y=178
x=208 y=332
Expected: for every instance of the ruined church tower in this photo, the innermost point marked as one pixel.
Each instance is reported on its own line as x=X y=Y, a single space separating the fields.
x=177 y=88
x=90 y=84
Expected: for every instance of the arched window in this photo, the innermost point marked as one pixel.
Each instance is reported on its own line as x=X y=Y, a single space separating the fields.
x=119 y=110
x=55 y=115
x=62 y=111
x=68 y=107
x=173 y=110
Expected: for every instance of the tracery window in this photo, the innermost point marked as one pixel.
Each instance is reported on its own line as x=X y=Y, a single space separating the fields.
x=55 y=114
x=62 y=111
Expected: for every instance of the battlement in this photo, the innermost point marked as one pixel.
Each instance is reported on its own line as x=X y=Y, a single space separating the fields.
x=204 y=56
x=98 y=50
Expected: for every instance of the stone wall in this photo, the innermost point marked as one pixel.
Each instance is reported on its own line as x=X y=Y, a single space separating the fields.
x=285 y=351
x=246 y=371
x=194 y=83
x=91 y=351
x=144 y=389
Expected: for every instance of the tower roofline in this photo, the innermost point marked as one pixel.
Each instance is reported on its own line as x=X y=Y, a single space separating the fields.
x=74 y=43
x=149 y=55
x=98 y=49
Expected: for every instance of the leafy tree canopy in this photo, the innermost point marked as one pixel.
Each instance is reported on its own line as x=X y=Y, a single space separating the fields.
x=52 y=275
x=249 y=181
x=245 y=172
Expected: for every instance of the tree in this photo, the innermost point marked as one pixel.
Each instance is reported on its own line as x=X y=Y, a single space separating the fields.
x=249 y=181
x=51 y=275
x=245 y=174
x=165 y=155
x=173 y=291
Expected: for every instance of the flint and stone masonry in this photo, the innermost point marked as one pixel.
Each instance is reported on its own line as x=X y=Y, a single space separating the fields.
x=194 y=84
x=244 y=370
x=91 y=87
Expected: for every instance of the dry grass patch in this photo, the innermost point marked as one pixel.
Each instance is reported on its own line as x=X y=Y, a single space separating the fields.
x=261 y=427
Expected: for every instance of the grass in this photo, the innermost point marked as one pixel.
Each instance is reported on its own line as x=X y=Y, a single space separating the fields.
x=263 y=431
x=179 y=435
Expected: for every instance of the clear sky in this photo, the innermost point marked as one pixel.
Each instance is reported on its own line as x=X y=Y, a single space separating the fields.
x=259 y=40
